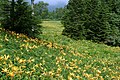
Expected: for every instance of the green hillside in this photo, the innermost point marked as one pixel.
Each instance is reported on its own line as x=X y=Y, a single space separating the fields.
x=56 y=57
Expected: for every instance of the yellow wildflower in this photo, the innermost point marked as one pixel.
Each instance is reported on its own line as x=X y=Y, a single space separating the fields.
x=6 y=39
x=4 y=62
x=0 y=58
x=72 y=74
x=28 y=72
x=36 y=65
x=49 y=45
x=17 y=58
x=51 y=73
x=14 y=68
x=6 y=57
x=78 y=77
x=11 y=74
x=22 y=61
x=4 y=70
x=101 y=78
x=86 y=75
x=69 y=77
x=23 y=66
x=59 y=70
x=98 y=71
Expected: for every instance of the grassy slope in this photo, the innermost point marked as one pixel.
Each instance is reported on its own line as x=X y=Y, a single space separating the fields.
x=56 y=57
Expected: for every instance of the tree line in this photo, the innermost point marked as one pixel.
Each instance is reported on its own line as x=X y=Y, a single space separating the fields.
x=42 y=12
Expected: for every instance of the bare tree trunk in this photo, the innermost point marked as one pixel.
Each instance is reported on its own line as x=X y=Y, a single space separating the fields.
x=32 y=4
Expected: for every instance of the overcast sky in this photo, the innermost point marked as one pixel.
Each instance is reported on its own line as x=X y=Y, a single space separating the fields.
x=52 y=2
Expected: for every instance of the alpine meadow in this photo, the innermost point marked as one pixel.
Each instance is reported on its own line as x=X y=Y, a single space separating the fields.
x=80 y=41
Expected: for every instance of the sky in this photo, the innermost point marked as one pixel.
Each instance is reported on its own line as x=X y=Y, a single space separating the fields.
x=52 y=2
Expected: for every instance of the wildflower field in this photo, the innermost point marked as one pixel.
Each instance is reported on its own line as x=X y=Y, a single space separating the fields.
x=56 y=57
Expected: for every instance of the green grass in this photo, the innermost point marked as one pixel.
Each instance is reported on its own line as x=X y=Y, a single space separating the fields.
x=56 y=57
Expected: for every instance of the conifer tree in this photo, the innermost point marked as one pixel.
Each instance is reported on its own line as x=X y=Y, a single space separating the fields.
x=21 y=19
x=96 y=20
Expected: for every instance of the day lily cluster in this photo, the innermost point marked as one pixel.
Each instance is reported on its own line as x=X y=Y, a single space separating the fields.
x=45 y=60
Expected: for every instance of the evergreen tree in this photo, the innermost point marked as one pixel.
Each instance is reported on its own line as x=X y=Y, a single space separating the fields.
x=21 y=19
x=74 y=18
x=3 y=3
x=114 y=22
x=56 y=14
x=96 y=20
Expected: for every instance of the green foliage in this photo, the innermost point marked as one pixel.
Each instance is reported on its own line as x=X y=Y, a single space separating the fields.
x=41 y=10
x=56 y=14
x=96 y=20
x=21 y=19
x=2 y=4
